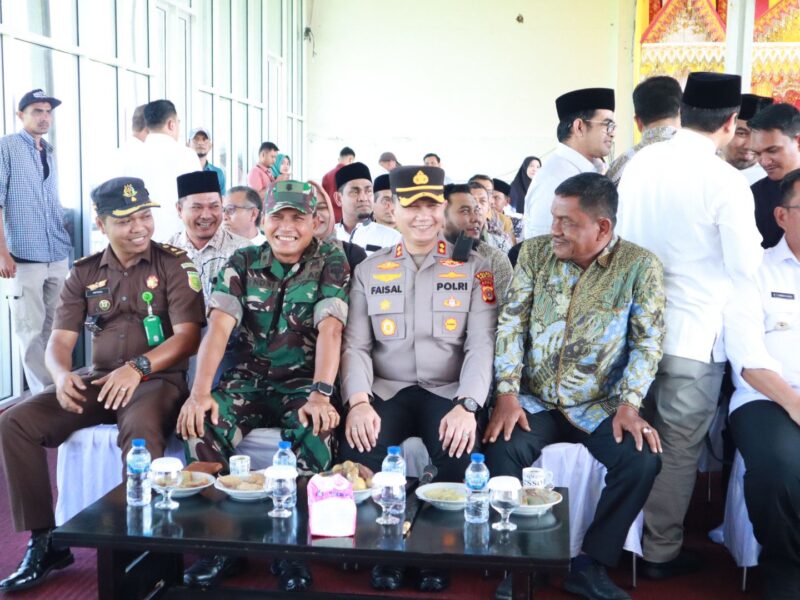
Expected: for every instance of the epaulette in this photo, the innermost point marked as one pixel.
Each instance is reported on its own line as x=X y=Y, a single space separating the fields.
x=86 y=258
x=170 y=249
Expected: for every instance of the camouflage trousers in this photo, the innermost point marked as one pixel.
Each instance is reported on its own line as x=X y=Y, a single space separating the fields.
x=247 y=403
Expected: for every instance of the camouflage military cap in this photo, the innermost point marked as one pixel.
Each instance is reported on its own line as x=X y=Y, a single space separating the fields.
x=291 y=194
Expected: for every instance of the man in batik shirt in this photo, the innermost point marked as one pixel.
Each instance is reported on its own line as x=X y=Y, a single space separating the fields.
x=578 y=344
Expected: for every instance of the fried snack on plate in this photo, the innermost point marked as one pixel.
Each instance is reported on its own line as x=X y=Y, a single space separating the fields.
x=212 y=468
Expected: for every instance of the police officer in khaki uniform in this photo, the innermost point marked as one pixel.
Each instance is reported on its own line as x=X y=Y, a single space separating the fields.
x=418 y=346
x=143 y=303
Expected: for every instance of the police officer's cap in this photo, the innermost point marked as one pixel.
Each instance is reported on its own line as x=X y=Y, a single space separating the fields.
x=121 y=197
x=290 y=194
x=413 y=183
x=713 y=90
x=585 y=99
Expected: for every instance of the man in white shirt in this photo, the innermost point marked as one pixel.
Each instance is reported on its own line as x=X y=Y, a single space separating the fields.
x=159 y=162
x=242 y=210
x=354 y=194
x=762 y=337
x=739 y=151
x=695 y=212
x=585 y=134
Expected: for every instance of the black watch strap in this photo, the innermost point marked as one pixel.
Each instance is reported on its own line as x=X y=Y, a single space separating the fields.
x=326 y=389
x=469 y=404
x=143 y=364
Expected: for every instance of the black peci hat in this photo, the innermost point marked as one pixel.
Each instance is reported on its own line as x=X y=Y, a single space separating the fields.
x=751 y=104
x=501 y=186
x=198 y=182
x=713 y=90
x=352 y=171
x=585 y=99
x=381 y=183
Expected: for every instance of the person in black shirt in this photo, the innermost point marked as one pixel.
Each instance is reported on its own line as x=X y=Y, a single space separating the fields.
x=776 y=141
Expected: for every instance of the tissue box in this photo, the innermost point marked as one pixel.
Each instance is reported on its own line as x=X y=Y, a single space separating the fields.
x=331 y=508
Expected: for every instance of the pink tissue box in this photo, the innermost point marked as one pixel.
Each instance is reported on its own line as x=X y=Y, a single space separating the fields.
x=331 y=508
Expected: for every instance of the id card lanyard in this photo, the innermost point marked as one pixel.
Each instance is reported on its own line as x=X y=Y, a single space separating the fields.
x=152 y=323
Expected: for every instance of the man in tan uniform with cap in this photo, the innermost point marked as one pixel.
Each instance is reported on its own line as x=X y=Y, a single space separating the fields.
x=418 y=351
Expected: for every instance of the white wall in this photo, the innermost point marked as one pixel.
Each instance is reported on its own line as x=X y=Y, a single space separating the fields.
x=458 y=77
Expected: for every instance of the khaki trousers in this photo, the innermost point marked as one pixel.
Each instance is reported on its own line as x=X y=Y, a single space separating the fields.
x=680 y=404
x=34 y=296
x=39 y=422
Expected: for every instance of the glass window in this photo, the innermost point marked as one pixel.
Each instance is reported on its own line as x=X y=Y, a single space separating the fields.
x=203 y=115
x=238 y=167
x=239 y=50
x=274 y=93
x=222 y=49
x=159 y=58
x=297 y=149
x=206 y=28
x=98 y=26
x=133 y=92
x=51 y=18
x=132 y=19
x=178 y=88
x=255 y=129
x=254 y=51
x=275 y=27
x=222 y=136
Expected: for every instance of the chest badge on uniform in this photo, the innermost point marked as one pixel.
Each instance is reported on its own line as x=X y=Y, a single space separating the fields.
x=97 y=285
x=398 y=251
x=386 y=277
x=441 y=248
x=450 y=324
x=385 y=305
x=104 y=305
x=388 y=265
x=388 y=327
x=449 y=262
x=452 y=275
x=452 y=302
x=187 y=265
x=152 y=282
x=194 y=280
x=486 y=280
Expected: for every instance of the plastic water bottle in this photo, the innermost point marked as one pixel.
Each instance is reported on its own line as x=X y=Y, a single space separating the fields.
x=476 y=479
x=285 y=456
x=394 y=463
x=138 y=465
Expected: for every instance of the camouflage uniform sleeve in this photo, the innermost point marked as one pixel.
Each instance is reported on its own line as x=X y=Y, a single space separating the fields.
x=475 y=378
x=333 y=288
x=229 y=291
x=512 y=323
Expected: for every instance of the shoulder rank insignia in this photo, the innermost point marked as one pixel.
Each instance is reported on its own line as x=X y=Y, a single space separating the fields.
x=449 y=262
x=441 y=248
x=85 y=258
x=172 y=249
x=398 y=251
x=452 y=275
x=486 y=280
x=388 y=265
x=97 y=285
x=386 y=277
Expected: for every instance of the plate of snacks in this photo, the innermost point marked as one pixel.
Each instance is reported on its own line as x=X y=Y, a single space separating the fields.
x=537 y=501
x=192 y=482
x=358 y=475
x=444 y=495
x=244 y=488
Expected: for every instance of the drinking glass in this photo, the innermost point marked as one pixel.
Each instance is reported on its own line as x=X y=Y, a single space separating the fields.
x=389 y=492
x=281 y=484
x=504 y=496
x=166 y=473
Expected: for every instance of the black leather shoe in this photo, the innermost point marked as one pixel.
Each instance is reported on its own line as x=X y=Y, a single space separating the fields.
x=40 y=558
x=433 y=580
x=594 y=583
x=293 y=575
x=209 y=571
x=384 y=577
x=684 y=564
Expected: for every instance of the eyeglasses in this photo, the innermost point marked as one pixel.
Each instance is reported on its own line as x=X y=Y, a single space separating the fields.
x=610 y=125
x=231 y=209
x=787 y=207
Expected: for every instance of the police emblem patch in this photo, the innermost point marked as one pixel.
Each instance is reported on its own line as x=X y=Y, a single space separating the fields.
x=486 y=279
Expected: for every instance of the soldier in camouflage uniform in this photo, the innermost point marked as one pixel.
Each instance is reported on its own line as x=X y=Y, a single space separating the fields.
x=289 y=298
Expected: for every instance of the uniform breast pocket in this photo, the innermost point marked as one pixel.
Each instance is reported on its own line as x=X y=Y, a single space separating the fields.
x=298 y=306
x=781 y=320
x=99 y=305
x=450 y=311
x=387 y=314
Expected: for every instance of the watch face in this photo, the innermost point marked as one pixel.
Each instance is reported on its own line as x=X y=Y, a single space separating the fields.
x=471 y=405
x=325 y=389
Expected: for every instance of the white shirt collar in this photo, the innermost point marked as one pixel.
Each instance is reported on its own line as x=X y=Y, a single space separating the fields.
x=576 y=158
x=159 y=138
x=696 y=139
x=781 y=253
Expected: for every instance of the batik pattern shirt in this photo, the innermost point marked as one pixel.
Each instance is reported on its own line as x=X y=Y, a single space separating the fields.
x=650 y=136
x=581 y=341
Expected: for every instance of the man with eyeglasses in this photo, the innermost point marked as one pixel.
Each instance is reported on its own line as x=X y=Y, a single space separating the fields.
x=383 y=207
x=694 y=211
x=585 y=135
x=355 y=194
x=207 y=244
x=242 y=210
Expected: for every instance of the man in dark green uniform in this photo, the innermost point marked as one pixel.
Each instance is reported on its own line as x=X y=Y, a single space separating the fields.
x=289 y=298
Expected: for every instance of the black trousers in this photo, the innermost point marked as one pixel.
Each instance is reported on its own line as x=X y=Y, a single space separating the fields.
x=630 y=474
x=770 y=444
x=412 y=412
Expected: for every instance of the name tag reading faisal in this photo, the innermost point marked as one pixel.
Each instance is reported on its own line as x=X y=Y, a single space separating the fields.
x=153 y=330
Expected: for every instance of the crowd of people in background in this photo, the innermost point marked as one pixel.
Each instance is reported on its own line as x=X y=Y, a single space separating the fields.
x=585 y=301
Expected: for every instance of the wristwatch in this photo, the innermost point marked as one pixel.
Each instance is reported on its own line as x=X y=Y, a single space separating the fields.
x=142 y=364
x=326 y=389
x=469 y=404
